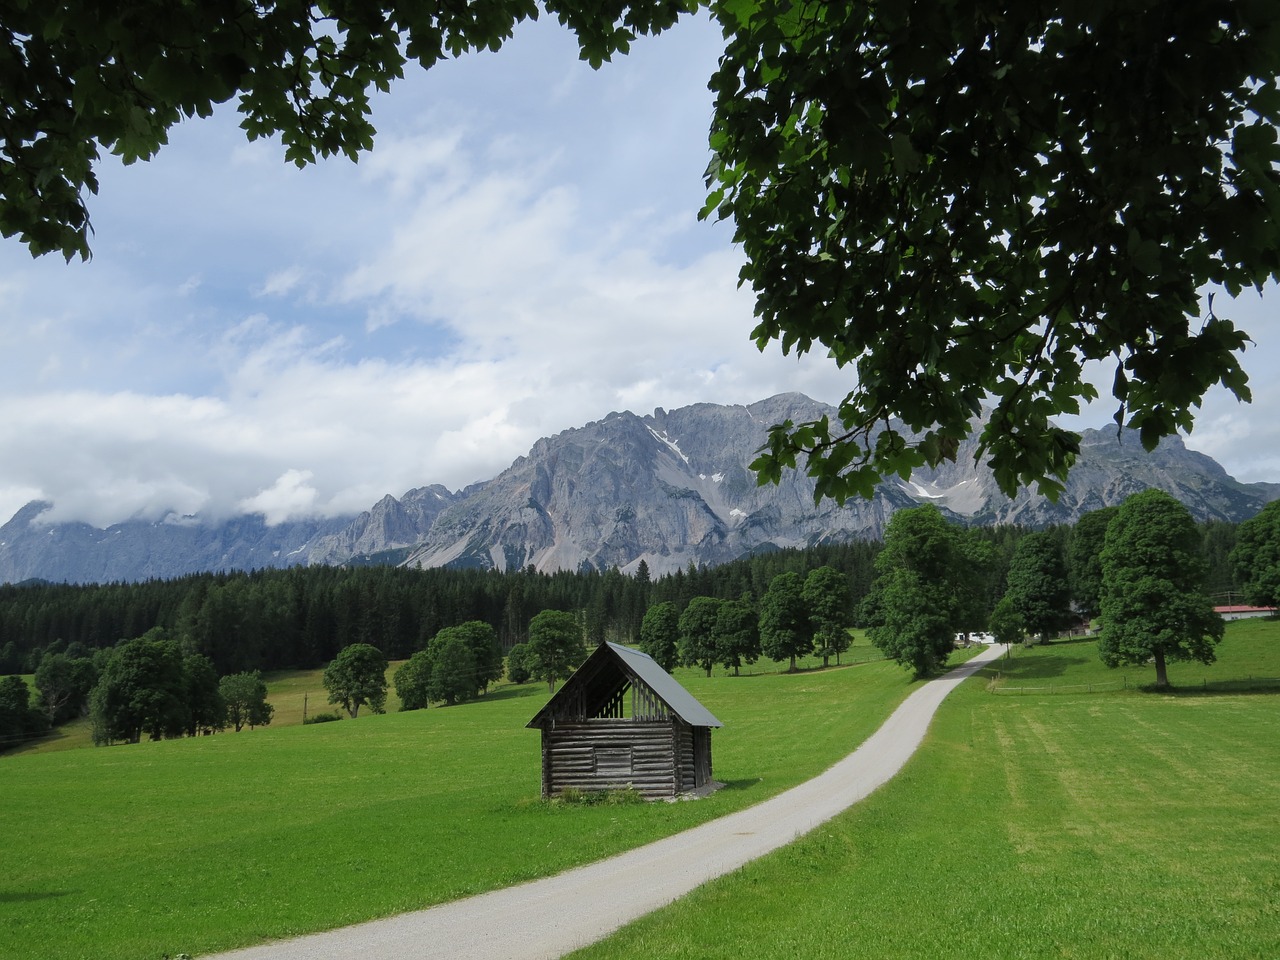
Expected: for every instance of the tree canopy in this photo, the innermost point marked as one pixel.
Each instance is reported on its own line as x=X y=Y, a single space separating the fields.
x=962 y=202
x=77 y=77
x=555 y=646
x=1152 y=605
x=929 y=571
x=245 y=696
x=737 y=633
x=356 y=676
x=1256 y=556
x=660 y=634
x=1084 y=558
x=697 y=625
x=142 y=689
x=785 y=630
x=1037 y=585
x=966 y=203
x=826 y=592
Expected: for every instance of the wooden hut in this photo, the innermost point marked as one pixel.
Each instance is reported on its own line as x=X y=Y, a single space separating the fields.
x=621 y=720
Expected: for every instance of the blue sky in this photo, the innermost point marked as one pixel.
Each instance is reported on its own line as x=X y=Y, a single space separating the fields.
x=519 y=254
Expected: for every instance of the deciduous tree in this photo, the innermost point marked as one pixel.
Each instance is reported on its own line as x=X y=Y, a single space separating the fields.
x=453 y=667
x=737 y=634
x=1256 y=557
x=357 y=676
x=660 y=634
x=785 y=630
x=18 y=719
x=486 y=652
x=205 y=709
x=1006 y=623
x=245 y=696
x=412 y=681
x=826 y=593
x=968 y=204
x=1037 y=585
x=555 y=646
x=518 y=664
x=141 y=689
x=698 y=633
x=926 y=579
x=65 y=684
x=1084 y=558
x=1152 y=607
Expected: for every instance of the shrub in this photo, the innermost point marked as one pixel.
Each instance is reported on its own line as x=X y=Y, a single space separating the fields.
x=322 y=718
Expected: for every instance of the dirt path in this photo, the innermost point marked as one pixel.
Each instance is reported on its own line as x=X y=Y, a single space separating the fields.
x=545 y=919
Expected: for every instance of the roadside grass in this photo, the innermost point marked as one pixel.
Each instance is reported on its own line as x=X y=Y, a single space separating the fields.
x=1136 y=825
x=214 y=842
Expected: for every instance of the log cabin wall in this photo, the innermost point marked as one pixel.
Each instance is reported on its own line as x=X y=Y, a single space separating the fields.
x=654 y=758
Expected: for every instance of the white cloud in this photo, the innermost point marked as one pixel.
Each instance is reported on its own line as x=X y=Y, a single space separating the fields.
x=292 y=495
x=281 y=282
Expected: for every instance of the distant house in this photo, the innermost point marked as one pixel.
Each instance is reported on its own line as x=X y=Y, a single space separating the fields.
x=1239 y=612
x=621 y=720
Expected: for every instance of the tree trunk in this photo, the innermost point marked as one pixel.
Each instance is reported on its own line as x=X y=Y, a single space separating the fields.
x=1162 y=674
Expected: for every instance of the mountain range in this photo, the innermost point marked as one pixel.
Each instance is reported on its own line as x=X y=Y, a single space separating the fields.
x=670 y=488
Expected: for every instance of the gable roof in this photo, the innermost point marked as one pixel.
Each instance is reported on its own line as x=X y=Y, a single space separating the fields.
x=639 y=668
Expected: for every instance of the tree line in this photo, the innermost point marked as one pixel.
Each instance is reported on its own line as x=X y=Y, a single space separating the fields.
x=146 y=686
x=207 y=637
x=301 y=617
x=1140 y=568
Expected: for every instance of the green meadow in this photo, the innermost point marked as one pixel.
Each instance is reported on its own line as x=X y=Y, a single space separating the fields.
x=1050 y=825
x=1116 y=824
x=195 y=845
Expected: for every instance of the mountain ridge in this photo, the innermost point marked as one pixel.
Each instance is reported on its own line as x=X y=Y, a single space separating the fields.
x=669 y=488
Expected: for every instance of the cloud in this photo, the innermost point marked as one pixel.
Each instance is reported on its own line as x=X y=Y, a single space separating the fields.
x=281 y=282
x=290 y=496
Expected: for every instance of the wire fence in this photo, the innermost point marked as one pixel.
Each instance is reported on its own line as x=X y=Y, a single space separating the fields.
x=1000 y=686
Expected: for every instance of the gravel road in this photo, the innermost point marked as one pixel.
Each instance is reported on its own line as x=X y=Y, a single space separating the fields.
x=545 y=919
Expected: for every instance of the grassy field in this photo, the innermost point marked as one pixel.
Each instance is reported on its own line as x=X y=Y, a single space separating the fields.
x=200 y=844
x=1251 y=649
x=1131 y=824
x=299 y=693
x=1044 y=825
